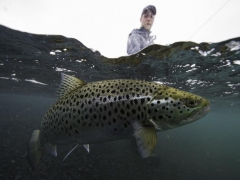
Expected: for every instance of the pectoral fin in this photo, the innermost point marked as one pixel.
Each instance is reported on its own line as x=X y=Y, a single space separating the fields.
x=146 y=138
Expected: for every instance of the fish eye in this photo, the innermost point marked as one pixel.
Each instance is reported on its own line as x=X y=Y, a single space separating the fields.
x=191 y=103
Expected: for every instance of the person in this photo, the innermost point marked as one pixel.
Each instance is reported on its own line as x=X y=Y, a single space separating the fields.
x=139 y=39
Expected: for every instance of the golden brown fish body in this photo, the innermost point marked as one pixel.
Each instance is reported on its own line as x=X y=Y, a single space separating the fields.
x=114 y=109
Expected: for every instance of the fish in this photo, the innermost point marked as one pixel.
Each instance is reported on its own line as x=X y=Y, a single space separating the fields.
x=109 y=110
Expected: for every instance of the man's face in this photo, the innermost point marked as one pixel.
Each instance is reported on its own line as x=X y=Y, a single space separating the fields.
x=147 y=20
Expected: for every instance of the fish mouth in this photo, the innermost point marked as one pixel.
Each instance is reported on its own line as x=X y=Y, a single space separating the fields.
x=201 y=113
x=193 y=117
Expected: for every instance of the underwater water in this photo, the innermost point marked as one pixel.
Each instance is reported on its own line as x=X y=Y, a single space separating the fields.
x=30 y=68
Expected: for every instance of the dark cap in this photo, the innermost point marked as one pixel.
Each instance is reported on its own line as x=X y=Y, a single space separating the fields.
x=151 y=9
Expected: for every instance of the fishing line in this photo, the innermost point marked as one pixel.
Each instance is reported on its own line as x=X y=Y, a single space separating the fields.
x=209 y=19
x=204 y=85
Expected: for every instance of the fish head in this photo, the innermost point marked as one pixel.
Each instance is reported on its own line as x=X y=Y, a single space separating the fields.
x=170 y=108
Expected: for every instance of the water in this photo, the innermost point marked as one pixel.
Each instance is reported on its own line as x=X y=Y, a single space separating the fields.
x=30 y=67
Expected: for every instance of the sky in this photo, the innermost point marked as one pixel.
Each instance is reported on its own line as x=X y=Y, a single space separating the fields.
x=104 y=25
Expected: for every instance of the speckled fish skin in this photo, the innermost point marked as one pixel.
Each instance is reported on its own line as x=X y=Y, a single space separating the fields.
x=116 y=109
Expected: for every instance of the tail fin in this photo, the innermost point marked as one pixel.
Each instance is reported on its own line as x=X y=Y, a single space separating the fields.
x=34 y=149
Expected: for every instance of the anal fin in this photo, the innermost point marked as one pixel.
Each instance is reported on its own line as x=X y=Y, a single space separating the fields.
x=146 y=138
x=87 y=147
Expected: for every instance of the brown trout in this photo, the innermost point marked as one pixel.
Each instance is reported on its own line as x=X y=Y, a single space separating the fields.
x=109 y=110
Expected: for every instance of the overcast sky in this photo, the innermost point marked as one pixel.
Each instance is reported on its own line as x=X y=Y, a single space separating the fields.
x=104 y=25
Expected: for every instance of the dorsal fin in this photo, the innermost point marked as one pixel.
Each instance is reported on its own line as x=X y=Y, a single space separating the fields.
x=68 y=84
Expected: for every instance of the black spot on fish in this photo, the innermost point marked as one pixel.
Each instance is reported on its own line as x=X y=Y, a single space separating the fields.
x=133 y=111
x=131 y=102
x=122 y=111
x=66 y=122
x=105 y=108
x=104 y=117
x=135 y=101
x=115 y=129
x=139 y=108
x=78 y=121
x=114 y=120
x=90 y=124
x=125 y=125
